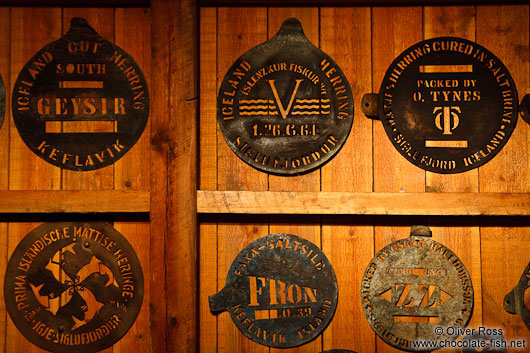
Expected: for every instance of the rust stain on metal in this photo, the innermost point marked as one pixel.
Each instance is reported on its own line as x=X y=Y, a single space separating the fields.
x=448 y=105
x=281 y=291
x=73 y=287
x=414 y=289
x=285 y=107
x=81 y=102
x=514 y=302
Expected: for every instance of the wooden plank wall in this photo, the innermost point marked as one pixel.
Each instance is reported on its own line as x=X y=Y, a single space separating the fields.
x=23 y=32
x=363 y=41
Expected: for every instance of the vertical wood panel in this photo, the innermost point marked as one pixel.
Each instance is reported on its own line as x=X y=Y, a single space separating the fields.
x=463 y=235
x=31 y=29
x=160 y=144
x=348 y=242
x=308 y=17
x=208 y=175
x=504 y=30
x=505 y=252
x=239 y=29
x=392 y=32
x=454 y=21
x=5 y=30
x=133 y=34
x=132 y=172
x=137 y=338
x=102 y=20
x=181 y=259
x=232 y=238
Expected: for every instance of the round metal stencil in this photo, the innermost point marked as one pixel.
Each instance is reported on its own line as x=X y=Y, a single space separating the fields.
x=448 y=105
x=2 y=101
x=285 y=107
x=414 y=289
x=81 y=102
x=73 y=287
x=514 y=301
x=280 y=291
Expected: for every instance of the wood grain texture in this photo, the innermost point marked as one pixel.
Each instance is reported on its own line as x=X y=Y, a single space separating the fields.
x=5 y=32
x=31 y=29
x=102 y=20
x=348 y=243
x=15 y=341
x=308 y=17
x=393 y=30
x=238 y=30
x=434 y=204
x=453 y=21
x=392 y=33
x=324 y=3
x=182 y=240
x=232 y=238
x=505 y=248
x=55 y=201
x=463 y=238
x=501 y=30
x=138 y=337
x=160 y=147
x=208 y=176
x=346 y=38
x=132 y=172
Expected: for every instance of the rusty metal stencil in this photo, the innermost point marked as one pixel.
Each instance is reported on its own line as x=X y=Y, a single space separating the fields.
x=491 y=342
x=514 y=301
x=280 y=291
x=81 y=102
x=2 y=101
x=73 y=287
x=285 y=107
x=448 y=105
x=412 y=288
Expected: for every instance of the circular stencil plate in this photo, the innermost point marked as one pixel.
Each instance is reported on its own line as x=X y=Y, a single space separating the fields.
x=2 y=101
x=73 y=287
x=81 y=102
x=448 y=105
x=285 y=107
x=414 y=289
x=280 y=291
x=514 y=302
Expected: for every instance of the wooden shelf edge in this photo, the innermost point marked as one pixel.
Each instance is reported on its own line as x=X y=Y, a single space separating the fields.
x=434 y=204
x=111 y=201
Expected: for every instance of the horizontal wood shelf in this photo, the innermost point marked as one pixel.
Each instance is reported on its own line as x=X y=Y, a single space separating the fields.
x=434 y=204
x=110 y=201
